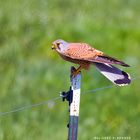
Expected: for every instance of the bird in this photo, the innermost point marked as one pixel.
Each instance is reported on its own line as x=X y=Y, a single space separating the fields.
x=84 y=55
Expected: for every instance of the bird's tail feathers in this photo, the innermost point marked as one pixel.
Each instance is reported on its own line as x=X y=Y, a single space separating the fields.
x=114 y=74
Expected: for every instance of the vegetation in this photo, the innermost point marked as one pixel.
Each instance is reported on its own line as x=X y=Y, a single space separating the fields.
x=30 y=72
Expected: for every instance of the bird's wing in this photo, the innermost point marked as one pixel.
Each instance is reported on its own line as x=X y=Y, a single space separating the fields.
x=83 y=51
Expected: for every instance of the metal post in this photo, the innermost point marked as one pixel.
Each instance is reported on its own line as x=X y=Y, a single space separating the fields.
x=74 y=105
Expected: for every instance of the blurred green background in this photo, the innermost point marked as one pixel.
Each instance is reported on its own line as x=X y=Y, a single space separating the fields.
x=30 y=72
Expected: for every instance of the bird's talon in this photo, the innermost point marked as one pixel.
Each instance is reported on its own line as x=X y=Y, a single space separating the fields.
x=75 y=72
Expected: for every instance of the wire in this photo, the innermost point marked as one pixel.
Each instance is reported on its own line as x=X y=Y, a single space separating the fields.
x=135 y=78
x=54 y=99
x=28 y=106
x=98 y=89
x=105 y=87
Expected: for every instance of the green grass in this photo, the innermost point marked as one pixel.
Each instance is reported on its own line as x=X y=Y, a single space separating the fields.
x=30 y=72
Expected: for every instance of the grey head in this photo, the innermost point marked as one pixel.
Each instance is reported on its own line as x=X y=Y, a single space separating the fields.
x=60 y=45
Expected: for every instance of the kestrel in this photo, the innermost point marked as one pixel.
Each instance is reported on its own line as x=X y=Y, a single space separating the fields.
x=85 y=55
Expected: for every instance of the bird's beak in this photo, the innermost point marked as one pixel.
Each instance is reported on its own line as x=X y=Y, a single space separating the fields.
x=53 y=46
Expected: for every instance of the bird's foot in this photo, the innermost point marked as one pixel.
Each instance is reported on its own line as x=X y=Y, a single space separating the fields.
x=75 y=72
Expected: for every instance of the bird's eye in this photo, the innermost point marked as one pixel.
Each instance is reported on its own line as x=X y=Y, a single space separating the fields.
x=58 y=43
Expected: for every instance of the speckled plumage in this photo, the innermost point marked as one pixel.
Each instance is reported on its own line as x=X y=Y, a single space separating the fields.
x=82 y=51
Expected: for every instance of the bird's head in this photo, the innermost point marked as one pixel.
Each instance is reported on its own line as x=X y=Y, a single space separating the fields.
x=60 y=45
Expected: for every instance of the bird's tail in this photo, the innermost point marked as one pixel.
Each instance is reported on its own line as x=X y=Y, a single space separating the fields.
x=114 y=74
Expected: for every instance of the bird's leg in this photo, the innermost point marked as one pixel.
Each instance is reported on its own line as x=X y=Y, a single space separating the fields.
x=74 y=72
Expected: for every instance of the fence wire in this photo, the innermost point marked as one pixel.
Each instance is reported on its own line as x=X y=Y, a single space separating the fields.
x=28 y=106
x=56 y=98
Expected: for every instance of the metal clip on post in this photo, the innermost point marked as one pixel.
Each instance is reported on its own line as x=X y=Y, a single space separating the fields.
x=67 y=95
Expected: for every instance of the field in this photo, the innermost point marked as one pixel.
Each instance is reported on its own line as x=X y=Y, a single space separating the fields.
x=30 y=72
